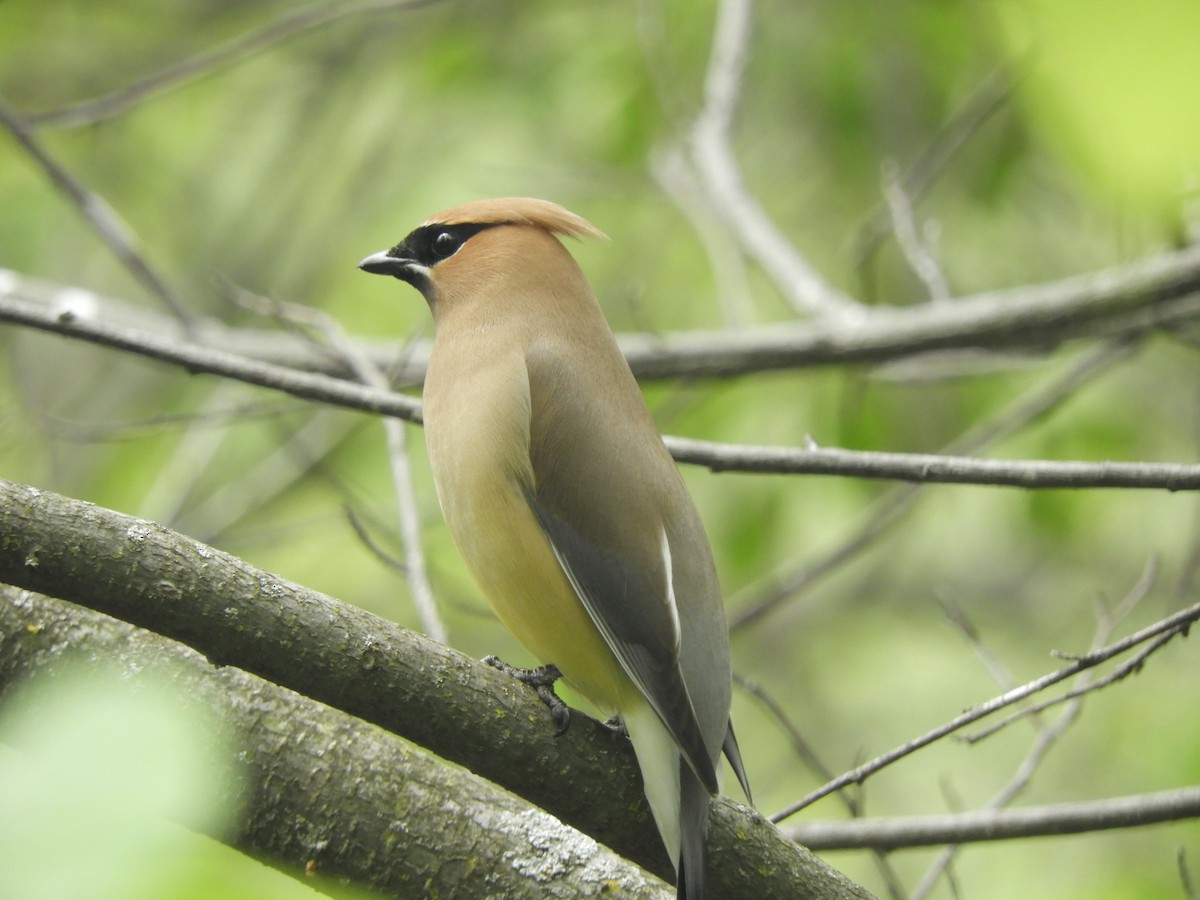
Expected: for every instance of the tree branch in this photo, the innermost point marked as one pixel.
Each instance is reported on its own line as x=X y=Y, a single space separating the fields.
x=295 y=23
x=918 y=468
x=721 y=177
x=302 y=761
x=1048 y=734
x=197 y=358
x=100 y=216
x=804 y=751
x=1130 y=667
x=933 y=468
x=912 y=245
x=1000 y=825
x=988 y=98
x=457 y=707
x=1149 y=293
x=1176 y=624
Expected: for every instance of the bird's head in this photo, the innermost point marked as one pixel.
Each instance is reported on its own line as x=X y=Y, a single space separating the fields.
x=466 y=241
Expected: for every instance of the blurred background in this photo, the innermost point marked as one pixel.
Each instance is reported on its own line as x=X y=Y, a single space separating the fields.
x=1031 y=140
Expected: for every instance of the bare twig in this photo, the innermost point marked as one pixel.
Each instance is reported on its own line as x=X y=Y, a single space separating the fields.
x=934 y=468
x=800 y=746
x=137 y=429
x=922 y=468
x=1156 y=292
x=1185 y=875
x=192 y=453
x=209 y=62
x=995 y=667
x=995 y=825
x=988 y=98
x=100 y=216
x=1131 y=667
x=919 y=468
x=368 y=540
x=721 y=176
x=1174 y=624
x=678 y=182
x=209 y=360
x=1047 y=735
x=904 y=223
x=814 y=763
x=1185 y=583
x=295 y=454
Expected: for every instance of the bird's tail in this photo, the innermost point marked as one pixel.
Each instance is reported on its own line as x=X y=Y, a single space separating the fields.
x=693 y=827
x=677 y=797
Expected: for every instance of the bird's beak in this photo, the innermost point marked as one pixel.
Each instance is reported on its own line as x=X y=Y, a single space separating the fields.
x=382 y=264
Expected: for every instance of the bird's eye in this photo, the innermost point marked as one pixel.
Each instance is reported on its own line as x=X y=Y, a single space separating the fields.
x=445 y=244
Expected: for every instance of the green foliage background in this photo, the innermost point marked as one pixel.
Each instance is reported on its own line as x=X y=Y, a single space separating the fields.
x=279 y=173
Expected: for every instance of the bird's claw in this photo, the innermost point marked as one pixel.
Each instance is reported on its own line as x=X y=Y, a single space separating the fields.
x=541 y=679
x=617 y=724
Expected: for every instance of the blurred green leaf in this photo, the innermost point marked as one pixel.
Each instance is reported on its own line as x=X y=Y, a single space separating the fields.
x=1113 y=86
x=97 y=770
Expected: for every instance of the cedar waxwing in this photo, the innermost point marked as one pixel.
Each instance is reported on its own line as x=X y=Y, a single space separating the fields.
x=563 y=500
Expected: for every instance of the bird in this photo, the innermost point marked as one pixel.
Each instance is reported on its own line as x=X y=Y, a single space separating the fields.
x=564 y=502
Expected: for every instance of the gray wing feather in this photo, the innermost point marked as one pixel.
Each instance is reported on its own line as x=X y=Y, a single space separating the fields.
x=629 y=608
x=603 y=490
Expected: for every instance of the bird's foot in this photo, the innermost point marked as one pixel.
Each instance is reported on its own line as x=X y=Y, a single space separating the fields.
x=617 y=724
x=541 y=679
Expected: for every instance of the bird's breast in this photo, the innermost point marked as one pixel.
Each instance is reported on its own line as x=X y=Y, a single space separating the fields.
x=477 y=430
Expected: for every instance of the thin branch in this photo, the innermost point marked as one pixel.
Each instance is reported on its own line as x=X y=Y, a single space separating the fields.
x=916 y=468
x=1047 y=735
x=295 y=454
x=100 y=216
x=934 y=468
x=1178 y=623
x=177 y=74
x=721 y=177
x=809 y=756
x=994 y=666
x=1155 y=292
x=800 y=746
x=728 y=265
x=210 y=360
x=364 y=535
x=992 y=94
x=137 y=429
x=1131 y=667
x=987 y=825
x=1185 y=875
x=174 y=479
x=912 y=245
x=1124 y=299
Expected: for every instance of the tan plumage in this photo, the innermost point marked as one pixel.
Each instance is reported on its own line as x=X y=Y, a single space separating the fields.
x=562 y=499
x=518 y=211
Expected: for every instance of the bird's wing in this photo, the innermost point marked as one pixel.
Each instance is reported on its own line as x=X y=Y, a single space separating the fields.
x=599 y=502
x=734 y=754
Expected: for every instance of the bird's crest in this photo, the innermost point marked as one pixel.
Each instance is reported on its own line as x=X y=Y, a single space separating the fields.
x=518 y=211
